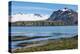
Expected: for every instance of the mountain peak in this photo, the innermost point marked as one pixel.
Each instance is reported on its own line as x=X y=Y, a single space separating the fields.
x=66 y=15
x=38 y=15
x=65 y=9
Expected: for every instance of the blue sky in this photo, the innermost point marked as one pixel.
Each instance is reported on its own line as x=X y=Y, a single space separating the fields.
x=39 y=8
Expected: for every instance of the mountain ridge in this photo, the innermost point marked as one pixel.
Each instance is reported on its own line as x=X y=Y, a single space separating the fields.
x=68 y=16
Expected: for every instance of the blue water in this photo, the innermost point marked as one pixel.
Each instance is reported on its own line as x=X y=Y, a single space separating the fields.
x=54 y=31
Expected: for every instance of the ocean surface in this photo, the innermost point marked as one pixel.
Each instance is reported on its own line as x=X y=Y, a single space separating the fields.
x=54 y=31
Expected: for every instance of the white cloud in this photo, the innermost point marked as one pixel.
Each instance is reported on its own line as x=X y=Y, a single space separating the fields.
x=28 y=17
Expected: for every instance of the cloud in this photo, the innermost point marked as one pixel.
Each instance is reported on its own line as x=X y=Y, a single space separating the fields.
x=28 y=17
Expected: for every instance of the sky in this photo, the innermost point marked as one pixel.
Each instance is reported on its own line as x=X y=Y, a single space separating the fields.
x=37 y=8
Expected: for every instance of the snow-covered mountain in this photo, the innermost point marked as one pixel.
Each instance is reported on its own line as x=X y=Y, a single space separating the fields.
x=28 y=17
x=68 y=16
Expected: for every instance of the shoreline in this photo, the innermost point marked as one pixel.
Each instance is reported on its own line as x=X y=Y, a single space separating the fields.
x=57 y=44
